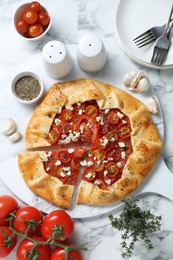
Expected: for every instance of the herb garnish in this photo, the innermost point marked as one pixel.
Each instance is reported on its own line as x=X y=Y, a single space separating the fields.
x=137 y=224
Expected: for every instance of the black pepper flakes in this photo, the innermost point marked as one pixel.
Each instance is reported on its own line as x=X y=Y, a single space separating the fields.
x=27 y=88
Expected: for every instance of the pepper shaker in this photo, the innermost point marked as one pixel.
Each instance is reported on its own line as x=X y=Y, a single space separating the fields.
x=91 y=53
x=57 y=59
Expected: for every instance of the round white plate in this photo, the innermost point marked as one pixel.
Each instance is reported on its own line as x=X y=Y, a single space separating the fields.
x=134 y=17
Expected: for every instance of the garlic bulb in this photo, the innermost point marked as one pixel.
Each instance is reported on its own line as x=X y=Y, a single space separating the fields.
x=136 y=81
x=10 y=127
x=15 y=137
x=152 y=106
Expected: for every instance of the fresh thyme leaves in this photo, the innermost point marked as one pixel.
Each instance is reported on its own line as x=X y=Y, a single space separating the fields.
x=136 y=224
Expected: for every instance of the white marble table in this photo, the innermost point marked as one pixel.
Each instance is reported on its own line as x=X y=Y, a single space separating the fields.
x=71 y=20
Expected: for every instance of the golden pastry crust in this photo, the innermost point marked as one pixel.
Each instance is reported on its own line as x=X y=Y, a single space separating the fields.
x=41 y=183
x=145 y=139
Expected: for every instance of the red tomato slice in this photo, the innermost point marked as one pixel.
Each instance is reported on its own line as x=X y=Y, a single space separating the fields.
x=43 y=19
x=65 y=158
x=30 y=16
x=112 y=169
x=99 y=166
x=98 y=155
x=79 y=152
x=53 y=136
x=63 y=127
x=112 y=117
x=89 y=174
x=91 y=111
x=124 y=132
x=66 y=115
x=112 y=135
x=75 y=164
x=87 y=133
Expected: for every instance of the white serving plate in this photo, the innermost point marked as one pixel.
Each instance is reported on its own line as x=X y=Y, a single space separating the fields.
x=134 y=17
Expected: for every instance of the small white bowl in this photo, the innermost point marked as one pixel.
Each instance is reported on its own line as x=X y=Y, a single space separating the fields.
x=22 y=75
x=18 y=15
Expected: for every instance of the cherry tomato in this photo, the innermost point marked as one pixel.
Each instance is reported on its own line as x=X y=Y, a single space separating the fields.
x=63 y=127
x=99 y=166
x=59 y=254
x=22 y=26
x=87 y=133
x=35 y=6
x=6 y=250
x=112 y=117
x=112 y=169
x=64 y=158
x=91 y=110
x=27 y=214
x=79 y=152
x=43 y=19
x=98 y=155
x=112 y=135
x=53 y=136
x=66 y=115
x=30 y=16
x=8 y=204
x=43 y=251
x=35 y=30
x=124 y=132
x=75 y=164
x=89 y=174
x=62 y=221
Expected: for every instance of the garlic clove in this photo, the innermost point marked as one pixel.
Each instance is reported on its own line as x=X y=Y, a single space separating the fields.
x=15 y=137
x=136 y=79
x=10 y=127
x=142 y=85
x=152 y=105
x=128 y=78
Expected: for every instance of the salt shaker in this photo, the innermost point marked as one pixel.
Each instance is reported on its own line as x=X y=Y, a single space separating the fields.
x=91 y=53
x=57 y=59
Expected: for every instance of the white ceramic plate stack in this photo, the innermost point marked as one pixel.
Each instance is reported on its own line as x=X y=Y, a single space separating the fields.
x=134 y=17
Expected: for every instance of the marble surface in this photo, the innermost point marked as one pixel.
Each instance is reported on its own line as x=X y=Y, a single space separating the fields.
x=73 y=19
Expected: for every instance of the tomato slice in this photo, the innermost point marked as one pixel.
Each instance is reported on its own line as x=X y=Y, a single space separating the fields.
x=98 y=155
x=53 y=136
x=63 y=127
x=65 y=158
x=99 y=166
x=113 y=152
x=87 y=133
x=124 y=132
x=66 y=115
x=75 y=164
x=112 y=135
x=89 y=175
x=79 y=152
x=91 y=111
x=112 y=169
x=112 y=117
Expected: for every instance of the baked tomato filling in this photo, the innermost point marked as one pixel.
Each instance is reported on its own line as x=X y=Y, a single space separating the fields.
x=108 y=132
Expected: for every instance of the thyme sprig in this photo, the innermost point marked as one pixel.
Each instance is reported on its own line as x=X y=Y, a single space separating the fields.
x=136 y=224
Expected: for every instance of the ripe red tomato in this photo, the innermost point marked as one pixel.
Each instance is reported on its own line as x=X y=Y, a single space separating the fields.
x=6 y=250
x=64 y=157
x=112 y=117
x=43 y=18
x=59 y=254
x=26 y=245
x=27 y=214
x=22 y=26
x=30 y=16
x=8 y=204
x=36 y=6
x=79 y=152
x=35 y=30
x=61 y=220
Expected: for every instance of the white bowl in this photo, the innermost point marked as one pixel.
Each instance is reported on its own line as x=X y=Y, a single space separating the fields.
x=21 y=75
x=18 y=15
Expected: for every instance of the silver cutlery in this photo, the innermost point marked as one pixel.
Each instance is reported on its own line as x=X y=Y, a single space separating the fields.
x=163 y=43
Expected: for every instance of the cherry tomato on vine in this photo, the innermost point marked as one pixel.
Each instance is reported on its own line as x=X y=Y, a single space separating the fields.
x=35 y=30
x=43 y=18
x=62 y=224
x=8 y=204
x=59 y=254
x=22 y=26
x=36 y=6
x=6 y=246
x=25 y=247
x=30 y=16
x=28 y=214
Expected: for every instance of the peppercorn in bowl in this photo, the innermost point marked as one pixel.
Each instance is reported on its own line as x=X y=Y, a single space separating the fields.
x=27 y=87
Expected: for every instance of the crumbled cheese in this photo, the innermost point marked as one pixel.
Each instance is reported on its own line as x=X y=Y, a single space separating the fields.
x=83 y=163
x=89 y=175
x=81 y=129
x=80 y=112
x=79 y=104
x=97 y=182
x=57 y=163
x=105 y=141
x=107 y=110
x=89 y=163
x=105 y=173
x=48 y=169
x=119 y=164
x=121 y=144
x=98 y=118
x=66 y=169
x=68 y=173
x=62 y=174
x=123 y=155
x=120 y=115
x=89 y=125
x=110 y=159
x=69 y=107
x=57 y=121
x=71 y=150
x=108 y=182
x=124 y=121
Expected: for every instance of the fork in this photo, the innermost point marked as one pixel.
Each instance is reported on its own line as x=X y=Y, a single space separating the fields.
x=162 y=44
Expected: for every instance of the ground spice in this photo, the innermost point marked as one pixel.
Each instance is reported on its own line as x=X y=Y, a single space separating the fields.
x=27 y=88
